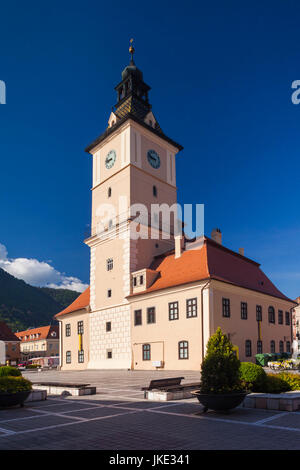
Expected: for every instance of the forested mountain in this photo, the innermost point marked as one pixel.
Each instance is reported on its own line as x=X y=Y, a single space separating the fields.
x=23 y=306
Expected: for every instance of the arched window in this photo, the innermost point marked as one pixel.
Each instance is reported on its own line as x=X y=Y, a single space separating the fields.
x=183 y=350
x=259 y=347
x=146 y=352
x=248 y=348
x=271 y=313
x=109 y=192
x=272 y=346
x=154 y=191
x=281 y=347
x=288 y=347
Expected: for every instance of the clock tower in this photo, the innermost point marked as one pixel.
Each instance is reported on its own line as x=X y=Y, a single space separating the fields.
x=133 y=165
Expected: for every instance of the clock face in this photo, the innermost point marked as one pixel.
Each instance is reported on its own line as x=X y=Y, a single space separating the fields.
x=110 y=159
x=153 y=158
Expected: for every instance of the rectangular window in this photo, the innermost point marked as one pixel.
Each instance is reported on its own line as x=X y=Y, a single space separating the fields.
x=191 y=308
x=280 y=317
x=108 y=326
x=141 y=280
x=259 y=347
x=68 y=357
x=226 y=307
x=173 y=311
x=287 y=318
x=183 y=350
x=244 y=310
x=109 y=264
x=109 y=293
x=271 y=313
x=258 y=313
x=68 y=329
x=248 y=349
x=109 y=354
x=134 y=281
x=137 y=317
x=146 y=352
x=80 y=327
x=151 y=315
x=81 y=356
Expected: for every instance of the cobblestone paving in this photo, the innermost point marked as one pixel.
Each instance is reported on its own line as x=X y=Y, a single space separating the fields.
x=117 y=420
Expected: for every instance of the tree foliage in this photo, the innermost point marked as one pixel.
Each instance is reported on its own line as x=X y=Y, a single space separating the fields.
x=220 y=368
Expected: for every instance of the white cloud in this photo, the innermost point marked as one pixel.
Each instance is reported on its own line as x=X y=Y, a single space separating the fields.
x=38 y=273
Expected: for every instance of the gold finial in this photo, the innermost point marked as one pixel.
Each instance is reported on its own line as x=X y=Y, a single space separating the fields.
x=131 y=49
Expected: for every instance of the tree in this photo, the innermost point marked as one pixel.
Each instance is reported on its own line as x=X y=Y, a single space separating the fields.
x=220 y=367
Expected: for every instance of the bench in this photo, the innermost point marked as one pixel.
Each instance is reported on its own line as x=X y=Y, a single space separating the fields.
x=169 y=389
x=164 y=384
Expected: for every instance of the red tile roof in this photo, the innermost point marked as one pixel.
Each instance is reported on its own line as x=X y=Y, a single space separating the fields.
x=43 y=332
x=81 y=302
x=211 y=261
x=6 y=334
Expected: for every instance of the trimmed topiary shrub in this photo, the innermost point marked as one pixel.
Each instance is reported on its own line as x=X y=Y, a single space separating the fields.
x=9 y=371
x=14 y=385
x=220 y=367
x=253 y=376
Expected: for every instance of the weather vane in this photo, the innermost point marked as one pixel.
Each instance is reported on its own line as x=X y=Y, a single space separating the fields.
x=131 y=49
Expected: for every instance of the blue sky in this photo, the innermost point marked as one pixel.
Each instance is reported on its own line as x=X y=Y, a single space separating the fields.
x=221 y=75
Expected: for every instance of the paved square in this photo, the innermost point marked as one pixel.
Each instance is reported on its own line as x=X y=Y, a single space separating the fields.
x=118 y=418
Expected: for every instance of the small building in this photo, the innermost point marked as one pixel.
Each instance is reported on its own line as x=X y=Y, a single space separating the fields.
x=12 y=345
x=39 y=342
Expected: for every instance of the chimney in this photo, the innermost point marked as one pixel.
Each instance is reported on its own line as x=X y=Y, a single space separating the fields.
x=178 y=246
x=216 y=235
x=242 y=251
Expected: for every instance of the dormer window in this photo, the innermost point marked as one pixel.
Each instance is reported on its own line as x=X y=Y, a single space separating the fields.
x=150 y=123
x=134 y=281
x=141 y=280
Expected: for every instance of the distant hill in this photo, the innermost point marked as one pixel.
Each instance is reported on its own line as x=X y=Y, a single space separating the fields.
x=23 y=306
x=62 y=296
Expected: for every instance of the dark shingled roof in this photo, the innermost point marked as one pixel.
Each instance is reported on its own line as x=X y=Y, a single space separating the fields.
x=6 y=334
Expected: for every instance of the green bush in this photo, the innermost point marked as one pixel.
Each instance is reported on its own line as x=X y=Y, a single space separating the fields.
x=275 y=384
x=14 y=384
x=253 y=376
x=9 y=371
x=220 y=367
x=292 y=380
